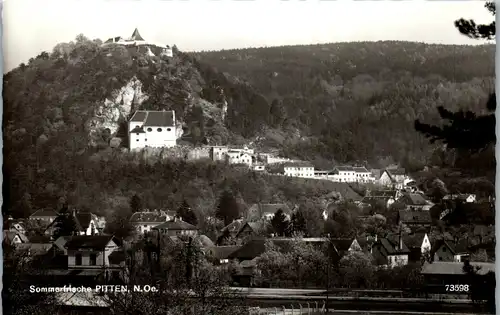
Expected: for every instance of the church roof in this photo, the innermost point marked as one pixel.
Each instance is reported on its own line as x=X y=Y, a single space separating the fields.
x=154 y=118
x=136 y=36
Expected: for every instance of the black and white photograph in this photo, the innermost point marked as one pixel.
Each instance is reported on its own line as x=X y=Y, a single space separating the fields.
x=201 y=157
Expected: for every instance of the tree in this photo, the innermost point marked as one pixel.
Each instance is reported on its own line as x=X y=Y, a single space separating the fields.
x=228 y=208
x=298 y=222
x=187 y=214
x=277 y=113
x=280 y=223
x=65 y=225
x=136 y=203
x=470 y=29
x=466 y=130
x=119 y=223
x=19 y=273
x=481 y=287
x=205 y=291
x=357 y=269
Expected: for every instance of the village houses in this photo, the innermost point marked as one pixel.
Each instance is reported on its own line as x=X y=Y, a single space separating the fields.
x=296 y=169
x=145 y=220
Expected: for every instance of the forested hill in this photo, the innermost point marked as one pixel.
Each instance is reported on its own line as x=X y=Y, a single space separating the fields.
x=358 y=101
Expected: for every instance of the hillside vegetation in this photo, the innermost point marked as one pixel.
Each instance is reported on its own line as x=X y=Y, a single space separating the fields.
x=339 y=102
x=358 y=101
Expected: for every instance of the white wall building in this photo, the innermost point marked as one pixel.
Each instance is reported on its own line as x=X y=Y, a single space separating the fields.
x=137 y=40
x=152 y=129
x=345 y=174
x=239 y=157
x=218 y=153
x=363 y=175
x=304 y=170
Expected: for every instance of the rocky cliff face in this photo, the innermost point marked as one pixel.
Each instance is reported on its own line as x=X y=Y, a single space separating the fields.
x=90 y=89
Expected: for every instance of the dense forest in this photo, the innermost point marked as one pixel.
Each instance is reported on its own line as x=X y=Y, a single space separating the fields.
x=356 y=101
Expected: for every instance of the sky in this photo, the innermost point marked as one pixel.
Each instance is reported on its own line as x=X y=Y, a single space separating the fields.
x=33 y=26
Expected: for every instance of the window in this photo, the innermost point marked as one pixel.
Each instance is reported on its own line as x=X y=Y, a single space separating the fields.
x=145 y=139
x=93 y=259
x=168 y=129
x=78 y=259
x=137 y=134
x=444 y=249
x=159 y=130
x=136 y=139
x=149 y=129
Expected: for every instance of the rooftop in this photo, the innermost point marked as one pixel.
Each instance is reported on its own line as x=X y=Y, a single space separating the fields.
x=154 y=118
x=344 y=169
x=360 y=170
x=406 y=216
x=223 y=252
x=396 y=171
x=415 y=199
x=455 y=268
x=44 y=213
x=84 y=241
x=297 y=164
x=177 y=225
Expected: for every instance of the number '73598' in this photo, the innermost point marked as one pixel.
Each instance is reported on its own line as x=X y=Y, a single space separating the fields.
x=457 y=287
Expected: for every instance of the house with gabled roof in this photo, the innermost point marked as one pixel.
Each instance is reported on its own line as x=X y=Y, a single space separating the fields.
x=413 y=218
x=239 y=157
x=14 y=225
x=469 y=198
x=386 y=197
x=342 y=246
x=90 y=251
x=144 y=221
x=390 y=251
x=448 y=250
x=86 y=223
x=414 y=201
x=363 y=175
x=344 y=174
x=221 y=253
x=393 y=178
x=252 y=229
x=14 y=238
x=418 y=244
x=266 y=211
x=438 y=274
x=45 y=216
x=154 y=129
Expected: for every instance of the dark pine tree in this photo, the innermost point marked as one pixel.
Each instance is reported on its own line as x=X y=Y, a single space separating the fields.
x=467 y=131
x=135 y=203
x=470 y=29
x=228 y=208
x=298 y=222
x=280 y=223
x=187 y=214
x=65 y=225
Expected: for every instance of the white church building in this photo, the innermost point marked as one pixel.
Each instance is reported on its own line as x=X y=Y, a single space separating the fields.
x=154 y=129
